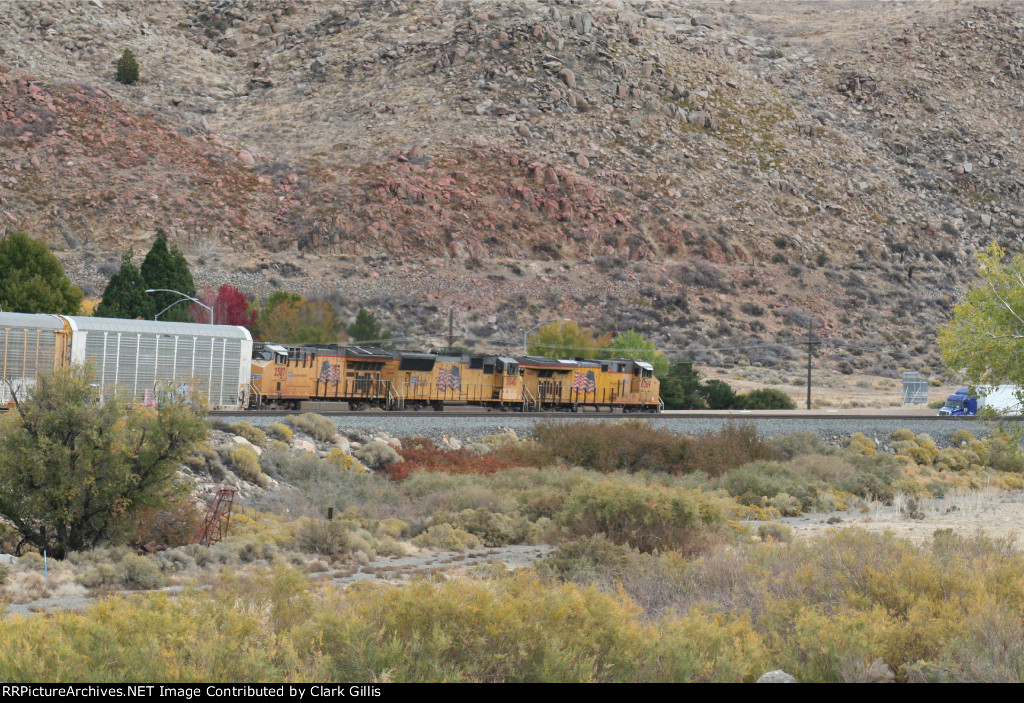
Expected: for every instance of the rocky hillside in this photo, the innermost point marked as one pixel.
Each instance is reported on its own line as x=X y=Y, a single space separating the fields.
x=714 y=174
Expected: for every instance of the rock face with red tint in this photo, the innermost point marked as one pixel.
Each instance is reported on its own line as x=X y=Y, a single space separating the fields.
x=683 y=160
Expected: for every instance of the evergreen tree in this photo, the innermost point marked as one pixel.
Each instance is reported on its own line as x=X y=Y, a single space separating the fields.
x=32 y=280
x=366 y=329
x=125 y=296
x=127 y=68
x=681 y=389
x=167 y=268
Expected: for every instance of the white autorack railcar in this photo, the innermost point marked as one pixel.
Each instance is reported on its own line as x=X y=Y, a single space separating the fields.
x=135 y=356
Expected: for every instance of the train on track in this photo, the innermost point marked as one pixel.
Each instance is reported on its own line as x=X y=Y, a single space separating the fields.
x=139 y=357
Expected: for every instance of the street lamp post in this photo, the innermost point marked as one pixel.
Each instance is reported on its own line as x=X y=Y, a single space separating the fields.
x=527 y=332
x=184 y=298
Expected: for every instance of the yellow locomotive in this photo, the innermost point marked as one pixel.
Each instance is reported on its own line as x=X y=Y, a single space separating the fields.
x=571 y=384
x=285 y=377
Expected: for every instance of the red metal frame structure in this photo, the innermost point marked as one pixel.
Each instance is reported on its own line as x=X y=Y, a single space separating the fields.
x=218 y=516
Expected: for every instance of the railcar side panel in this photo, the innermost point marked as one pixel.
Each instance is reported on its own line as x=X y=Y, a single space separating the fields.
x=30 y=345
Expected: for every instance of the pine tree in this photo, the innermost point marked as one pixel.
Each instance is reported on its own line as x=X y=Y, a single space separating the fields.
x=125 y=296
x=127 y=68
x=32 y=280
x=366 y=329
x=166 y=268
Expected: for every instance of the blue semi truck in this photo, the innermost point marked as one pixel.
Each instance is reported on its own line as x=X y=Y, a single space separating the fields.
x=1004 y=400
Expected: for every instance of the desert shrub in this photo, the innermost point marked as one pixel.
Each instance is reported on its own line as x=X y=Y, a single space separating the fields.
x=446 y=537
x=344 y=461
x=388 y=546
x=1001 y=452
x=953 y=459
x=254 y=434
x=280 y=432
x=773 y=531
x=332 y=538
x=861 y=443
x=246 y=464
x=127 y=68
x=583 y=559
x=786 y=504
x=494 y=529
x=139 y=573
x=316 y=426
x=873 y=476
x=797 y=444
x=421 y=454
x=630 y=445
x=732 y=446
x=903 y=435
x=5 y=573
x=392 y=527
x=962 y=438
x=921 y=448
x=170 y=526
x=377 y=454
x=643 y=516
x=31 y=561
x=758 y=482
x=765 y=399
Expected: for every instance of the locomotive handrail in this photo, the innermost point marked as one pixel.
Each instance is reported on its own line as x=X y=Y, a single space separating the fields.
x=255 y=392
x=395 y=399
x=529 y=402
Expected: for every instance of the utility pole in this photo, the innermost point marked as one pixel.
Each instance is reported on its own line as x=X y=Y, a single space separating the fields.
x=451 y=332
x=810 y=354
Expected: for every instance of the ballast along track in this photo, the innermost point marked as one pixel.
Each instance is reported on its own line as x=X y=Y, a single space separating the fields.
x=452 y=413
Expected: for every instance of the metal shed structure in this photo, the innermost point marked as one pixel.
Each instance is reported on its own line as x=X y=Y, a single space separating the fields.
x=30 y=345
x=138 y=356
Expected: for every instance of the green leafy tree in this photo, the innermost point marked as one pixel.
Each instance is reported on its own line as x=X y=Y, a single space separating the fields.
x=125 y=295
x=72 y=471
x=32 y=280
x=166 y=268
x=984 y=337
x=633 y=345
x=366 y=329
x=567 y=340
x=127 y=68
x=288 y=318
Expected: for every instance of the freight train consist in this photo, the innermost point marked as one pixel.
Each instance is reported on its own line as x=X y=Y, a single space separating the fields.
x=139 y=357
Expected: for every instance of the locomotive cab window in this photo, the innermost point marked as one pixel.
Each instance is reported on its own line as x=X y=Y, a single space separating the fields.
x=488 y=369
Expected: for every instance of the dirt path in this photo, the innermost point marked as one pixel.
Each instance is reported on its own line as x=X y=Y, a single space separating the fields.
x=391 y=569
x=995 y=513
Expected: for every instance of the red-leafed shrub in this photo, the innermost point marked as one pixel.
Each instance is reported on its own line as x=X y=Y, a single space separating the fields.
x=423 y=455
